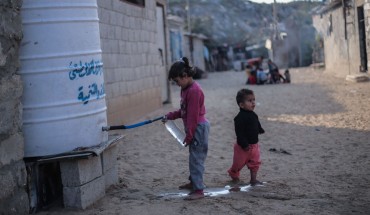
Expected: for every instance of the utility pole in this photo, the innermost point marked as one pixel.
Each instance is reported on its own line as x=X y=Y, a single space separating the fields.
x=274 y=30
x=188 y=15
x=275 y=19
x=189 y=29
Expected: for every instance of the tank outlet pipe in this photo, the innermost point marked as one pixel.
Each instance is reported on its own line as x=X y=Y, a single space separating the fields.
x=118 y=127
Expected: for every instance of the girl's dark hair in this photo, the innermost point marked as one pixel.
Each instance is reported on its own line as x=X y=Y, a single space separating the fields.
x=181 y=68
x=242 y=95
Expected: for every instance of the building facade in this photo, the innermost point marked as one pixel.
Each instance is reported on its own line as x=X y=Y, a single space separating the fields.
x=134 y=51
x=343 y=28
x=133 y=38
x=194 y=49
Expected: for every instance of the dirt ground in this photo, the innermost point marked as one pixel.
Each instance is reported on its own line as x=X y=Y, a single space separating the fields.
x=322 y=121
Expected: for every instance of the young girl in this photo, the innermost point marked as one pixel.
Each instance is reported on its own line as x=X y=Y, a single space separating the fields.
x=192 y=111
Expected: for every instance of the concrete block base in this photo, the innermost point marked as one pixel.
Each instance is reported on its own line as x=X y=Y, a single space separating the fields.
x=77 y=172
x=85 y=180
x=111 y=177
x=109 y=158
x=80 y=178
x=83 y=196
x=109 y=165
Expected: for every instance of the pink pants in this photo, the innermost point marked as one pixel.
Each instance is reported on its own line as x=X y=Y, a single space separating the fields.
x=249 y=157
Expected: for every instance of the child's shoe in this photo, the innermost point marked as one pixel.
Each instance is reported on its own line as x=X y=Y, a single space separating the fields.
x=188 y=186
x=234 y=177
x=194 y=195
x=235 y=180
x=255 y=183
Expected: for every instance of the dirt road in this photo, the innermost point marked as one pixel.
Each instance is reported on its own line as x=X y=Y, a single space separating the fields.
x=322 y=121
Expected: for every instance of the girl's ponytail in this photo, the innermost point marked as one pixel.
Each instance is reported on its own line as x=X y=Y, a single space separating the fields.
x=186 y=61
x=181 y=68
x=190 y=71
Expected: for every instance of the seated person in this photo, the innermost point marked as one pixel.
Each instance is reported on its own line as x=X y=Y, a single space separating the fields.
x=261 y=76
x=279 y=78
x=248 y=70
x=287 y=76
x=252 y=79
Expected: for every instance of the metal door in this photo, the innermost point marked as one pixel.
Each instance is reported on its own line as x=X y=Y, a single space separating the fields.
x=362 y=39
x=161 y=42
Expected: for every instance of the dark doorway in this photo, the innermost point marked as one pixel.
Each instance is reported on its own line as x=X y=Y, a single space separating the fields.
x=362 y=35
x=45 y=189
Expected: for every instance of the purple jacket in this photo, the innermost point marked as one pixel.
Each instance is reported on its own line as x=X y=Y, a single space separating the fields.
x=192 y=109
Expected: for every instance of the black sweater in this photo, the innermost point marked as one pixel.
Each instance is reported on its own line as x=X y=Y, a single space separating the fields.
x=247 y=128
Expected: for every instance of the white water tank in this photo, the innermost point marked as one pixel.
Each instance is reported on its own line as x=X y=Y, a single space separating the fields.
x=62 y=71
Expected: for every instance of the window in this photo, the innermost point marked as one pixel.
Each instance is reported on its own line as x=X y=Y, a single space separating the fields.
x=136 y=2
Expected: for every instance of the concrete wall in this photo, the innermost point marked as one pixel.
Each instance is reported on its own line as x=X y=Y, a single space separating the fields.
x=176 y=25
x=198 y=52
x=132 y=63
x=13 y=196
x=342 y=57
x=176 y=28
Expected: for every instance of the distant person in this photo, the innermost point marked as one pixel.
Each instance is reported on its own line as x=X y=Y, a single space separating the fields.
x=247 y=129
x=287 y=76
x=252 y=78
x=248 y=72
x=280 y=78
x=192 y=111
x=260 y=62
x=261 y=76
x=273 y=70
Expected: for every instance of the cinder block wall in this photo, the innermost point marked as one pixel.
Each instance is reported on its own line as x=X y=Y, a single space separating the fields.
x=131 y=59
x=199 y=54
x=13 y=196
x=342 y=57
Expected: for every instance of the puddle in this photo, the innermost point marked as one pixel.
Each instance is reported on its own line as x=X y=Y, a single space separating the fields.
x=173 y=195
x=211 y=192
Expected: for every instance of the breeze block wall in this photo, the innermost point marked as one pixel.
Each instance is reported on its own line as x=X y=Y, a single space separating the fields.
x=132 y=64
x=342 y=56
